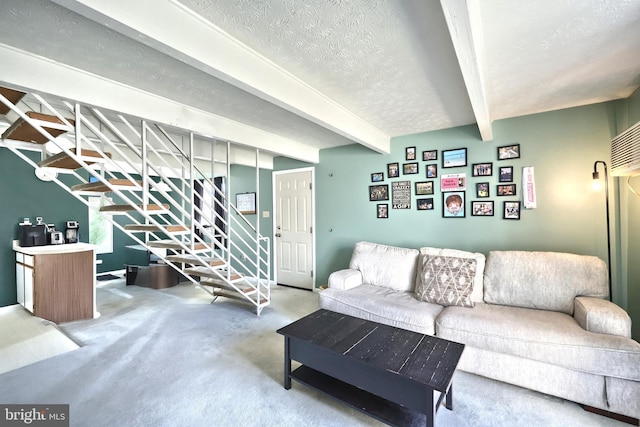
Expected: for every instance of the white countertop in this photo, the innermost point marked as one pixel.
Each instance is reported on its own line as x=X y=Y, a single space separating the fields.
x=53 y=249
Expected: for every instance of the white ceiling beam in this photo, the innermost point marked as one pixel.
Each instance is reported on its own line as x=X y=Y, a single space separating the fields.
x=28 y=71
x=173 y=29
x=465 y=26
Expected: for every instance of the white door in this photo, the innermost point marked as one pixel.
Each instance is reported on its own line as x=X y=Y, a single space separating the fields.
x=293 y=225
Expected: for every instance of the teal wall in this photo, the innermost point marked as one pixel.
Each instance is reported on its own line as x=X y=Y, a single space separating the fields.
x=23 y=195
x=243 y=180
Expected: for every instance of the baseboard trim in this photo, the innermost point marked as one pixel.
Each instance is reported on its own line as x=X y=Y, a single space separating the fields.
x=617 y=417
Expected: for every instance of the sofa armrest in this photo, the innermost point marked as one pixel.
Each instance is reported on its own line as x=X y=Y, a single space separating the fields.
x=345 y=279
x=601 y=316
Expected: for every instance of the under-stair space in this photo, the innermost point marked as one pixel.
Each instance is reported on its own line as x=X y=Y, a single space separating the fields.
x=150 y=176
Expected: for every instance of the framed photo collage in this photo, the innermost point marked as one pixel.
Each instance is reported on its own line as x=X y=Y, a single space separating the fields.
x=422 y=174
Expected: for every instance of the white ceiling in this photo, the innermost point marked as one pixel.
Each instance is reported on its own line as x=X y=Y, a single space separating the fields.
x=296 y=76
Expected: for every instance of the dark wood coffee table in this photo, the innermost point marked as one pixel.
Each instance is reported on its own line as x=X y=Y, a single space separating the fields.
x=396 y=376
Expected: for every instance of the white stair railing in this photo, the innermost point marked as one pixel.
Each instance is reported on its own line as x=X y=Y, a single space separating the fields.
x=118 y=150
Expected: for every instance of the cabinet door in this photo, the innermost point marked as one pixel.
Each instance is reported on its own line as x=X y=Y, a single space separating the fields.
x=20 y=283
x=28 y=288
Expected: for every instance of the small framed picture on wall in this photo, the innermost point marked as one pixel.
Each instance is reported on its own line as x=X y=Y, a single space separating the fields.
x=382 y=210
x=482 y=208
x=425 y=204
x=429 y=155
x=509 y=152
x=424 y=188
x=506 y=174
x=410 y=153
x=393 y=170
x=511 y=210
x=377 y=177
x=378 y=192
x=453 y=204
x=506 y=190
x=482 y=189
x=454 y=158
x=410 y=168
x=432 y=170
x=482 y=169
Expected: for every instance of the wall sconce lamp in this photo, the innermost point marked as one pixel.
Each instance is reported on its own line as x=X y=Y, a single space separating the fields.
x=597 y=185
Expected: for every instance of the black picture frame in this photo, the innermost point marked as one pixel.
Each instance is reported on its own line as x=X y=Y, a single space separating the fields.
x=511 y=210
x=424 y=204
x=482 y=169
x=410 y=168
x=506 y=190
x=455 y=158
x=507 y=152
x=429 y=155
x=453 y=204
x=378 y=192
x=424 y=188
x=410 y=153
x=482 y=190
x=482 y=208
x=377 y=177
x=506 y=174
x=393 y=170
x=382 y=210
x=432 y=170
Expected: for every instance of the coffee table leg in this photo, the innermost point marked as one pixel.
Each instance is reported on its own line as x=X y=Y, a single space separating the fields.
x=448 y=401
x=431 y=409
x=287 y=364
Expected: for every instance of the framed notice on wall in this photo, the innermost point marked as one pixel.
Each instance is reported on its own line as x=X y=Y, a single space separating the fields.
x=246 y=203
x=401 y=194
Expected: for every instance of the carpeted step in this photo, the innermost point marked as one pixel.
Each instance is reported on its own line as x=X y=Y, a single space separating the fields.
x=121 y=209
x=192 y=260
x=99 y=187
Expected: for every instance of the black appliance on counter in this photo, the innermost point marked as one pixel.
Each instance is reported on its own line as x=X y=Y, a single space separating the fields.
x=32 y=235
x=72 y=233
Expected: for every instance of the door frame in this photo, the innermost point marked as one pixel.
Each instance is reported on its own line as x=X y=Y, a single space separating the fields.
x=274 y=177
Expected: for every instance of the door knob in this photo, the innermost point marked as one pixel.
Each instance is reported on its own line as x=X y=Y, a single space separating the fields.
x=278 y=235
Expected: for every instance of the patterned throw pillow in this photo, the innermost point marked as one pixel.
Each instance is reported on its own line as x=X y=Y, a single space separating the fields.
x=446 y=280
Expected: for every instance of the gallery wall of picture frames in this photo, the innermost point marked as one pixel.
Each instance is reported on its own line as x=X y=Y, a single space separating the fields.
x=408 y=183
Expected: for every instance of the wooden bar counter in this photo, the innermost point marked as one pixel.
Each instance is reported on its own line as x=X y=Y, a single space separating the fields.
x=57 y=282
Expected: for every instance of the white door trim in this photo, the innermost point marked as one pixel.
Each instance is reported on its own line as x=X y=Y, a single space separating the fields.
x=274 y=175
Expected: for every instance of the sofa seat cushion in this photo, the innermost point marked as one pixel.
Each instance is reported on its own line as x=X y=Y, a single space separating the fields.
x=383 y=305
x=545 y=336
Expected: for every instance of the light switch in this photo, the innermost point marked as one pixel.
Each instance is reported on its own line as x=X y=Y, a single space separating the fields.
x=265 y=214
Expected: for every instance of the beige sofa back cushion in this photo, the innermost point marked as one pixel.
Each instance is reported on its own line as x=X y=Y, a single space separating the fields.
x=387 y=266
x=543 y=280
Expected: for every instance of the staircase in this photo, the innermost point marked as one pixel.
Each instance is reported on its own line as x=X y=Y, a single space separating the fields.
x=152 y=176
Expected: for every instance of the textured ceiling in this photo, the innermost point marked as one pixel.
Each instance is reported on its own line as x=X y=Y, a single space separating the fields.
x=323 y=73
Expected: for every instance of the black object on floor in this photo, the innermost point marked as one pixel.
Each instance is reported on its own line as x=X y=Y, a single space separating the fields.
x=107 y=277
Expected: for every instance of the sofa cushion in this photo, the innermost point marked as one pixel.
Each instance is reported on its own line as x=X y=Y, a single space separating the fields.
x=545 y=336
x=543 y=280
x=387 y=266
x=446 y=280
x=383 y=305
x=477 y=293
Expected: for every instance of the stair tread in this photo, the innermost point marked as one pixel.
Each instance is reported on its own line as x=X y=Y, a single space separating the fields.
x=151 y=227
x=190 y=259
x=64 y=161
x=248 y=290
x=12 y=95
x=236 y=296
x=21 y=130
x=129 y=208
x=206 y=272
x=170 y=244
x=100 y=187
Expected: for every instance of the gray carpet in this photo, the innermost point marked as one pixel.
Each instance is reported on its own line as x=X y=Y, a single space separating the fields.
x=168 y=358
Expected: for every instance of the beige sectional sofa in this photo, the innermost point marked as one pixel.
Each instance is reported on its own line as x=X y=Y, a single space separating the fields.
x=539 y=320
